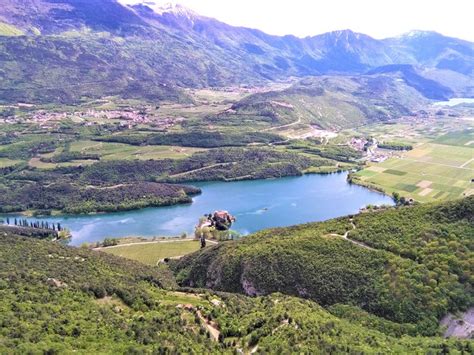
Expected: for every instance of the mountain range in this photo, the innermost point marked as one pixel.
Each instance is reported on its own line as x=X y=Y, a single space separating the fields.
x=65 y=50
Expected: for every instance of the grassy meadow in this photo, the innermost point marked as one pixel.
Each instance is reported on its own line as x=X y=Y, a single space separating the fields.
x=120 y=151
x=5 y=163
x=151 y=252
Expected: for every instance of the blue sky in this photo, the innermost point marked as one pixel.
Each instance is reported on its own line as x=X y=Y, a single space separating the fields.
x=377 y=18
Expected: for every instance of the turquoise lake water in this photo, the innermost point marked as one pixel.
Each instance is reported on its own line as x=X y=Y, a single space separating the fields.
x=256 y=204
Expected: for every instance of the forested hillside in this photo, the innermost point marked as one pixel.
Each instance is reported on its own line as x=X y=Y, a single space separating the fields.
x=407 y=265
x=107 y=106
x=56 y=299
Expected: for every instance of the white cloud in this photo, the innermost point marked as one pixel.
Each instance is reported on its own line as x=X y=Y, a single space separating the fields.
x=378 y=18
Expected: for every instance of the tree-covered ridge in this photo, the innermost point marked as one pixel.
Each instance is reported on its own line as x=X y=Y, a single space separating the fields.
x=71 y=198
x=326 y=263
x=56 y=299
x=196 y=139
x=331 y=102
x=218 y=164
x=116 y=185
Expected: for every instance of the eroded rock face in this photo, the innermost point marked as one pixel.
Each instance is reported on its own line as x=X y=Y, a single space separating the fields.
x=214 y=276
x=249 y=288
x=459 y=327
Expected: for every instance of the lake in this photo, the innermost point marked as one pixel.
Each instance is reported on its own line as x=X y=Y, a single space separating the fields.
x=455 y=101
x=256 y=204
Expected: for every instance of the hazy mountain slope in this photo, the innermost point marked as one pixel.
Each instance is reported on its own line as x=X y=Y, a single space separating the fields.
x=418 y=272
x=432 y=49
x=339 y=51
x=130 y=47
x=55 y=299
x=331 y=102
x=348 y=52
x=461 y=85
x=56 y=16
x=78 y=49
x=60 y=69
x=130 y=59
x=427 y=87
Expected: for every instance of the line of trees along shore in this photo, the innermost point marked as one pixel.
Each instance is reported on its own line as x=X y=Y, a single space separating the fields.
x=17 y=222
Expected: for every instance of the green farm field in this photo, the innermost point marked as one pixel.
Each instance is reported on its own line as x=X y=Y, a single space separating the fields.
x=108 y=151
x=430 y=172
x=5 y=163
x=151 y=252
x=120 y=151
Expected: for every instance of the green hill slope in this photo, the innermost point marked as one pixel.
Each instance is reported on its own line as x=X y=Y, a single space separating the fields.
x=410 y=265
x=56 y=299
x=330 y=102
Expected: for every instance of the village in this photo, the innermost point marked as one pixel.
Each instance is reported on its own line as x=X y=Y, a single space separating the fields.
x=126 y=118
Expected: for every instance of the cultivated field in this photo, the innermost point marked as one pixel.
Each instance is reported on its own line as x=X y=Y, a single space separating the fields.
x=151 y=252
x=120 y=151
x=108 y=151
x=439 y=170
x=5 y=163
x=417 y=130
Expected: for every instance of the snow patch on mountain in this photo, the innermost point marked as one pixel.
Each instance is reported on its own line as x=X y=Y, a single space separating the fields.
x=162 y=8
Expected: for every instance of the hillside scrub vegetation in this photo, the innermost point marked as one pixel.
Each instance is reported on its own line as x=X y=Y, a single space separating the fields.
x=57 y=299
x=407 y=265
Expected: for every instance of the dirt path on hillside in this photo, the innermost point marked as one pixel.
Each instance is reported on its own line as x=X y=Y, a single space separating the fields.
x=213 y=331
x=203 y=168
x=106 y=187
x=346 y=237
x=284 y=126
x=467 y=163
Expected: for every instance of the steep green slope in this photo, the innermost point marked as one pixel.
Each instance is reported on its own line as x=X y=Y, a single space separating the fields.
x=55 y=299
x=421 y=270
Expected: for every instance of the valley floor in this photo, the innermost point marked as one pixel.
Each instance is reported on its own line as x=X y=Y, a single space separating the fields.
x=440 y=169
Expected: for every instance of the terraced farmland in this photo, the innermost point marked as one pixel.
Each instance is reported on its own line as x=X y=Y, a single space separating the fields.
x=432 y=171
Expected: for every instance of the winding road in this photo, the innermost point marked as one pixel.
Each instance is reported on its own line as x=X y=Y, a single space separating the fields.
x=284 y=126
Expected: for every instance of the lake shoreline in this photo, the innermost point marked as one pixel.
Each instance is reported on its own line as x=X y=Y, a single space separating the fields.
x=57 y=213
x=257 y=204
